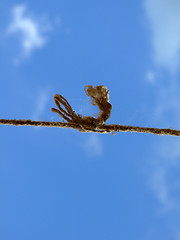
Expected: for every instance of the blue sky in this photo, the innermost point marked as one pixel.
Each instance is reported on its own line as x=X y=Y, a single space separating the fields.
x=63 y=184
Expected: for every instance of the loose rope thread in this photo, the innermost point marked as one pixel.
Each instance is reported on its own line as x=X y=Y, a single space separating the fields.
x=99 y=96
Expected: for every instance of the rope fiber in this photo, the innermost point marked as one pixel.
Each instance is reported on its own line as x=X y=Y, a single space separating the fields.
x=99 y=96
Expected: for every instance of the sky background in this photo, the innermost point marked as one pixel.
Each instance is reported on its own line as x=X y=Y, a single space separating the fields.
x=61 y=184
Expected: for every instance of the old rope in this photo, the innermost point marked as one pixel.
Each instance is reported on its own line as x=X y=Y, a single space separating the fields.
x=99 y=96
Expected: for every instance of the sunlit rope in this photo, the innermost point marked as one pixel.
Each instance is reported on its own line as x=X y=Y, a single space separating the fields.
x=99 y=96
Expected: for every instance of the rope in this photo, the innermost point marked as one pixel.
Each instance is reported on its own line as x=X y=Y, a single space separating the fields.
x=100 y=97
x=103 y=129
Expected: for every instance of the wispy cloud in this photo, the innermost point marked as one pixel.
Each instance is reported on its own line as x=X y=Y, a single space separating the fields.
x=93 y=145
x=164 y=23
x=27 y=29
x=164 y=20
x=150 y=77
x=163 y=189
x=40 y=104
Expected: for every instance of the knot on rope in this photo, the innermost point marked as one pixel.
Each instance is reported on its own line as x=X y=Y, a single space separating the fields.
x=99 y=96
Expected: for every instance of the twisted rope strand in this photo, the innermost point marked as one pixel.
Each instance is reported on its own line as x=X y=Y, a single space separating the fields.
x=105 y=128
x=99 y=96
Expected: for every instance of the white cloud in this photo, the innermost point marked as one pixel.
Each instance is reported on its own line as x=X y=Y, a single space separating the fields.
x=40 y=104
x=163 y=188
x=29 y=30
x=93 y=145
x=164 y=19
x=150 y=77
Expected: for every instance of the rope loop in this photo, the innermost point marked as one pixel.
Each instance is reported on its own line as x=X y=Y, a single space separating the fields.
x=99 y=96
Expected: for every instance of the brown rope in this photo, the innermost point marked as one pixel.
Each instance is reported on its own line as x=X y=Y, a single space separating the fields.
x=110 y=128
x=100 y=97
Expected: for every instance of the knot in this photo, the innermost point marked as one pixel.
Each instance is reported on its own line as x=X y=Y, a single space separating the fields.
x=99 y=96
